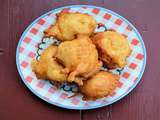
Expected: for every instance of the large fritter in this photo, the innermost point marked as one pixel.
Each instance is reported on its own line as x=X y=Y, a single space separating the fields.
x=47 y=67
x=99 y=85
x=69 y=25
x=113 y=48
x=80 y=58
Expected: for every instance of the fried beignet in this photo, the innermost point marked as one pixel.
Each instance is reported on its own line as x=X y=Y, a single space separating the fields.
x=113 y=48
x=99 y=85
x=79 y=57
x=69 y=25
x=47 y=67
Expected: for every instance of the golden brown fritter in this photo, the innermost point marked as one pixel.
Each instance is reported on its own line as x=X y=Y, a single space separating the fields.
x=113 y=48
x=99 y=85
x=47 y=67
x=69 y=25
x=80 y=58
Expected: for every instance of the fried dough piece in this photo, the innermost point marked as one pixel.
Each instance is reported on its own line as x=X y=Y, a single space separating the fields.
x=99 y=85
x=113 y=48
x=80 y=58
x=69 y=25
x=47 y=67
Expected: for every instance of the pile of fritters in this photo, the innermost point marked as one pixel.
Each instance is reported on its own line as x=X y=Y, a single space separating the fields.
x=81 y=54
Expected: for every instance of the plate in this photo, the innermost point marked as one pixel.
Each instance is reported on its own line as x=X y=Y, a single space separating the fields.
x=31 y=45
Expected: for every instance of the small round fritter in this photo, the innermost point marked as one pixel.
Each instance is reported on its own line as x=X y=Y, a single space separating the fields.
x=69 y=25
x=47 y=67
x=80 y=58
x=99 y=85
x=113 y=48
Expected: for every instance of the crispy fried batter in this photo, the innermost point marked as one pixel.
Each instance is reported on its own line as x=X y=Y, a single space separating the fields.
x=69 y=25
x=99 y=85
x=80 y=57
x=47 y=67
x=113 y=48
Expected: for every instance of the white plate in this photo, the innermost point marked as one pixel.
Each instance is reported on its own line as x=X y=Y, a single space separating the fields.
x=30 y=46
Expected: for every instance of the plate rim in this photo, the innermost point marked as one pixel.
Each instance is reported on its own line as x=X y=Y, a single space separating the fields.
x=73 y=107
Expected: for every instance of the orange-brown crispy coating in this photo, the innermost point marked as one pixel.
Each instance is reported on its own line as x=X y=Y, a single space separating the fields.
x=69 y=25
x=80 y=58
x=47 y=67
x=113 y=48
x=99 y=85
